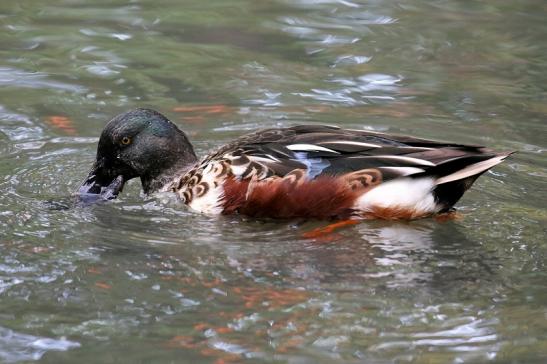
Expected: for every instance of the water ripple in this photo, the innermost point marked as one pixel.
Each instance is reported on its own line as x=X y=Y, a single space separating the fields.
x=15 y=347
x=350 y=60
x=18 y=127
x=14 y=77
x=359 y=90
x=140 y=275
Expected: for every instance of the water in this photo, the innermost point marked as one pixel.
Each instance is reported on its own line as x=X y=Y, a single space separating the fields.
x=138 y=280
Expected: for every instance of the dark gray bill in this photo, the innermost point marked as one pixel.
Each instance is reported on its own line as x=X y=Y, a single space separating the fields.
x=99 y=188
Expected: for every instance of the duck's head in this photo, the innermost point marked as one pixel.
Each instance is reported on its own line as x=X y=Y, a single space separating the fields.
x=139 y=143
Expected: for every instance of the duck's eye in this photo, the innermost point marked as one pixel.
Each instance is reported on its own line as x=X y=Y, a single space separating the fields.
x=126 y=140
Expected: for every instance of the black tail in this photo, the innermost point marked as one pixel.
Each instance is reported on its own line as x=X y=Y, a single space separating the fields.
x=454 y=177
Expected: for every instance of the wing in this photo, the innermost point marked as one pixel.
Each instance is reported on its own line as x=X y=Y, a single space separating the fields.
x=331 y=151
x=325 y=171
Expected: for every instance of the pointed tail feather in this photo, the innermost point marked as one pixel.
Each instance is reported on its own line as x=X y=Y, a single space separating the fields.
x=450 y=188
x=473 y=169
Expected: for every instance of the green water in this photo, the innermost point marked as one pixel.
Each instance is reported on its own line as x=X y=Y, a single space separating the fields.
x=140 y=281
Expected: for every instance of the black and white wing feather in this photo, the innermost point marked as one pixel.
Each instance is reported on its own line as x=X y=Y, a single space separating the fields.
x=333 y=151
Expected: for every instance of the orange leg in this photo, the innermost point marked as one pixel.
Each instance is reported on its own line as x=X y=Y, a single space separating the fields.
x=324 y=231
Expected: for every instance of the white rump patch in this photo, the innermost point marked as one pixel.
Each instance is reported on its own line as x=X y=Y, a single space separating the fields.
x=472 y=169
x=403 y=193
x=310 y=148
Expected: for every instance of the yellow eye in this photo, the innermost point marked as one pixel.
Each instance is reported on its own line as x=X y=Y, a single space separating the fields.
x=126 y=140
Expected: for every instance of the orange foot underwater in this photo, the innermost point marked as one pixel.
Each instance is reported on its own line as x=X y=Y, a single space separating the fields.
x=325 y=231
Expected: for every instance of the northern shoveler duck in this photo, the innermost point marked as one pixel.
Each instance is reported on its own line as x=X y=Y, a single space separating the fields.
x=300 y=171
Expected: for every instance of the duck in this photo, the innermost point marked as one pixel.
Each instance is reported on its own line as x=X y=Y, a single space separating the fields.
x=303 y=171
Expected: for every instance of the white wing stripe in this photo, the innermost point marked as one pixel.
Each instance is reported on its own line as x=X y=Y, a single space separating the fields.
x=348 y=142
x=269 y=158
x=310 y=148
x=421 y=162
x=404 y=171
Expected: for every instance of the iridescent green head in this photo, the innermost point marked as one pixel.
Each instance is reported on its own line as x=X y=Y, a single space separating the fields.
x=139 y=143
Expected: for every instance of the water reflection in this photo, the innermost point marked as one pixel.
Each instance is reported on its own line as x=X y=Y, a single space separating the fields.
x=394 y=255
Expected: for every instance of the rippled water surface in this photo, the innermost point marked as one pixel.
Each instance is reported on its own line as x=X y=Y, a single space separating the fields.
x=138 y=280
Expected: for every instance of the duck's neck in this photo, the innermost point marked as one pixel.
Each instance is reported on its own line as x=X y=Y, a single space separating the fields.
x=174 y=156
x=154 y=183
